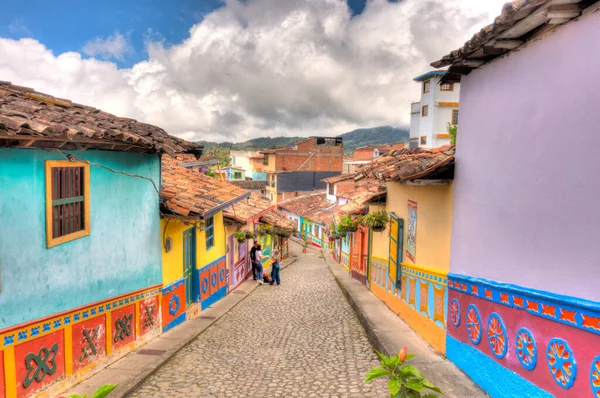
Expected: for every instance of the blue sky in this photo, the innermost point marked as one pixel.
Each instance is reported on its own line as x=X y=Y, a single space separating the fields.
x=67 y=25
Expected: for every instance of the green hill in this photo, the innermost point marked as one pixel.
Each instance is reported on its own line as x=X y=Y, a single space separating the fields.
x=352 y=139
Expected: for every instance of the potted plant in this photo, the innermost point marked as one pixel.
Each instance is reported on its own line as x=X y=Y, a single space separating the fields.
x=250 y=235
x=240 y=236
x=376 y=220
x=350 y=223
x=100 y=393
x=305 y=245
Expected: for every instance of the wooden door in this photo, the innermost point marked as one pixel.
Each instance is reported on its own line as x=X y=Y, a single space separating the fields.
x=396 y=243
x=189 y=262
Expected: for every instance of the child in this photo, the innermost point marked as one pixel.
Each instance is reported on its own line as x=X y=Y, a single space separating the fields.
x=275 y=268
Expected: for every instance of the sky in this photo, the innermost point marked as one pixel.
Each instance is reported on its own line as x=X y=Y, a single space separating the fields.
x=231 y=70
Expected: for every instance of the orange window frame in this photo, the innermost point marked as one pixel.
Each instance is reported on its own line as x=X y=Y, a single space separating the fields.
x=49 y=165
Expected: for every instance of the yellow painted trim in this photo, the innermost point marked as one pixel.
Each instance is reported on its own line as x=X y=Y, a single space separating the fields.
x=385 y=260
x=416 y=267
x=10 y=372
x=68 y=335
x=50 y=242
x=137 y=319
x=443 y=135
x=109 y=336
x=448 y=104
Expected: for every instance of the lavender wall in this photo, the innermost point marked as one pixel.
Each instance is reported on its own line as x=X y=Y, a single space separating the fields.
x=527 y=184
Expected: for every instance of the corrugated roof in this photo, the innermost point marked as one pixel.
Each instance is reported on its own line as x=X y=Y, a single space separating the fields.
x=411 y=164
x=192 y=194
x=519 y=22
x=254 y=185
x=429 y=75
x=32 y=119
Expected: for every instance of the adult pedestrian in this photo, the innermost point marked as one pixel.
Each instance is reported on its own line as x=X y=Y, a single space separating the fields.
x=253 y=259
x=275 y=268
x=259 y=267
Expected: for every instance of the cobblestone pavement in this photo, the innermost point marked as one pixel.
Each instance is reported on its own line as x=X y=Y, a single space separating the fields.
x=299 y=339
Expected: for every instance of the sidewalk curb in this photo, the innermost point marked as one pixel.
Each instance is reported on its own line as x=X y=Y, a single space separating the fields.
x=170 y=342
x=387 y=333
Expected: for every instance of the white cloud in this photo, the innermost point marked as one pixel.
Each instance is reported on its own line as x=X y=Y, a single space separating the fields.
x=19 y=28
x=115 y=46
x=265 y=67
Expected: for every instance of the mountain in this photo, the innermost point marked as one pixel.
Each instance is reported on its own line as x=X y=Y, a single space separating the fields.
x=374 y=136
x=353 y=139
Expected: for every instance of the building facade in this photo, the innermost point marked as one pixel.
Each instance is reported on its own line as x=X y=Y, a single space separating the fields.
x=524 y=315
x=299 y=169
x=79 y=242
x=437 y=107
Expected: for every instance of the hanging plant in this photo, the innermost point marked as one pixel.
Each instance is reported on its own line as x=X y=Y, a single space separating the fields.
x=250 y=235
x=240 y=236
x=377 y=220
x=342 y=230
x=350 y=223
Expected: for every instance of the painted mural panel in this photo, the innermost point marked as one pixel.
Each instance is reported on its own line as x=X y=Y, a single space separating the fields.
x=39 y=362
x=123 y=327
x=551 y=342
x=411 y=232
x=421 y=302
x=89 y=342
x=173 y=304
x=212 y=287
x=148 y=315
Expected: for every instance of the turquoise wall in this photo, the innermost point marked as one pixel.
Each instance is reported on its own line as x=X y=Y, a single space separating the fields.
x=121 y=254
x=259 y=176
x=346 y=244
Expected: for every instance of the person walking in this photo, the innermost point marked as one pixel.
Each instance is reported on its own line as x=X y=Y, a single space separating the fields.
x=275 y=268
x=259 y=267
x=253 y=259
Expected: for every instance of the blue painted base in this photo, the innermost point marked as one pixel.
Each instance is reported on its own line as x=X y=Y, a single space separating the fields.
x=213 y=298
x=494 y=378
x=180 y=319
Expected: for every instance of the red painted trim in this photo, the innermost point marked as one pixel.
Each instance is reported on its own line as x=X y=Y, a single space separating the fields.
x=38 y=320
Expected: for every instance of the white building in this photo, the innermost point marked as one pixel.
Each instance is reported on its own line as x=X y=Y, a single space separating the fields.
x=241 y=159
x=438 y=106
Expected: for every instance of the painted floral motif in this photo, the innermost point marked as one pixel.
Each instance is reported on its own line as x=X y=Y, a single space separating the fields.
x=474 y=324
x=455 y=312
x=497 y=336
x=561 y=362
x=595 y=377
x=526 y=349
x=174 y=304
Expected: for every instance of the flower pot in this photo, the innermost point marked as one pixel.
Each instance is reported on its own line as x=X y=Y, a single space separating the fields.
x=378 y=228
x=240 y=240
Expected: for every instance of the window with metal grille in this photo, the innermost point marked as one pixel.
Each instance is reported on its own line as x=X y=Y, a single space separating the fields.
x=237 y=175
x=210 y=233
x=447 y=87
x=454 y=116
x=425 y=111
x=67 y=201
x=426 y=86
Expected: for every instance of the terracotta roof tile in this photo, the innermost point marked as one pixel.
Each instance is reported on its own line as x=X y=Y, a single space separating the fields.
x=278 y=218
x=410 y=164
x=244 y=211
x=341 y=177
x=31 y=118
x=192 y=194
x=512 y=14
x=313 y=207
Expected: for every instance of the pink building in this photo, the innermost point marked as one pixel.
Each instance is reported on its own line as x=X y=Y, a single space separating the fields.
x=524 y=317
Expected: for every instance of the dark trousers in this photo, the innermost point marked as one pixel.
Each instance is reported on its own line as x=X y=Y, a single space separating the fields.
x=275 y=274
x=253 y=269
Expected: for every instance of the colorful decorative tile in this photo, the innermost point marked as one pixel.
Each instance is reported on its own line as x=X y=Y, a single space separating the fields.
x=473 y=324
x=526 y=348
x=561 y=362
x=497 y=337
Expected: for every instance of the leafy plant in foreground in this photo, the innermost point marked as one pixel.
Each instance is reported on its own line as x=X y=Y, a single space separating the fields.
x=101 y=393
x=404 y=381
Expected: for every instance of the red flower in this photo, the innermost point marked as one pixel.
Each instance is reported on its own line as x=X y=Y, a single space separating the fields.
x=402 y=354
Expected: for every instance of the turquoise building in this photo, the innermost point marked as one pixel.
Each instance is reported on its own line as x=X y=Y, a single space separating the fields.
x=80 y=238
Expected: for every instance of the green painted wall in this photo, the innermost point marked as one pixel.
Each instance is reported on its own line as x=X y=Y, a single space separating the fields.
x=121 y=254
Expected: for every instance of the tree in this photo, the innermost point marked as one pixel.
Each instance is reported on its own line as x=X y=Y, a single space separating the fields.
x=452 y=130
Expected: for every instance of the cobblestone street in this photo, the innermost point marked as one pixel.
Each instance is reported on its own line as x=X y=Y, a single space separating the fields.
x=300 y=339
